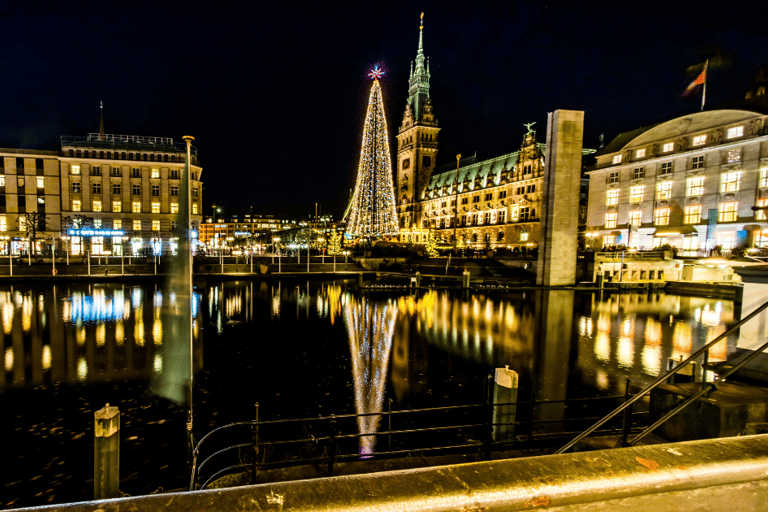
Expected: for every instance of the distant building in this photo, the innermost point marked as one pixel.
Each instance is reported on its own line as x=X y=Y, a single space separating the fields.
x=122 y=190
x=690 y=183
x=240 y=228
x=127 y=187
x=494 y=203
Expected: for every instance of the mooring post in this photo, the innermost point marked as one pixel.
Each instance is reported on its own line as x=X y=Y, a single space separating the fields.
x=505 y=384
x=418 y=279
x=465 y=279
x=106 y=453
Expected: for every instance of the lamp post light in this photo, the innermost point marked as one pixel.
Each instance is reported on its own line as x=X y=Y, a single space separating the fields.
x=275 y=241
x=346 y=253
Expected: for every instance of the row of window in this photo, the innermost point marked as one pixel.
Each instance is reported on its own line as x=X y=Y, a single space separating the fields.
x=122 y=155
x=135 y=189
x=697 y=140
x=522 y=214
x=117 y=207
x=117 y=172
x=667 y=168
x=727 y=240
x=21 y=181
x=729 y=182
x=726 y=212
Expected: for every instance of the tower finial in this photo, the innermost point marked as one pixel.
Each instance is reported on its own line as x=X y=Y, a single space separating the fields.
x=421 y=29
x=101 y=118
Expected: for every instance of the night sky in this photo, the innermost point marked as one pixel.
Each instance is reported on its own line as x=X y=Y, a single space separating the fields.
x=275 y=93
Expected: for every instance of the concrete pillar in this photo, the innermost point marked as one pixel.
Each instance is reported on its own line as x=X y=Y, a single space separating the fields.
x=465 y=279
x=560 y=199
x=504 y=391
x=106 y=453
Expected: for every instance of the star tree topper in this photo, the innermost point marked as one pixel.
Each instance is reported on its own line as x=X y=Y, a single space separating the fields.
x=376 y=73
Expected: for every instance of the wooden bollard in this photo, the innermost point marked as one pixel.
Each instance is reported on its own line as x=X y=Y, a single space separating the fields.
x=106 y=453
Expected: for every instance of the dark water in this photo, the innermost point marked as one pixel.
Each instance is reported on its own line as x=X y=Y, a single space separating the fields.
x=299 y=349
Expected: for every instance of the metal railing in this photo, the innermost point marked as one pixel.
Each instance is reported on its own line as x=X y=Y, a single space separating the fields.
x=706 y=387
x=252 y=446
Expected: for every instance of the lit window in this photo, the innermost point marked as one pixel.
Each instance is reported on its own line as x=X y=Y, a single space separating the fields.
x=155 y=207
x=694 y=186
x=97 y=206
x=617 y=159
x=3 y=223
x=666 y=168
x=760 y=214
x=174 y=207
x=736 y=131
x=726 y=239
x=761 y=239
x=664 y=190
x=669 y=146
x=763 y=177
x=638 y=173
x=635 y=218
x=22 y=223
x=194 y=208
x=734 y=156
x=692 y=214
x=636 y=194
x=697 y=162
x=117 y=224
x=97 y=223
x=730 y=182
x=661 y=216
x=137 y=225
x=612 y=197
x=40 y=182
x=610 y=219
x=76 y=205
x=524 y=236
x=155 y=225
x=2 y=181
x=117 y=206
x=136 y=207
x=699 y=140
x=640 y=153
x=728 y=212
x=609 y=240
x=74 y=169
x=155 y=172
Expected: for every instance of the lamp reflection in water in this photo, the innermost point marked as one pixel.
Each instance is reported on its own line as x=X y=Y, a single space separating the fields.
x=370 y=326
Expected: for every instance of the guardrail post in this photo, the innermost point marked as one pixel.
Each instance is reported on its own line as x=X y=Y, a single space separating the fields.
x=106 y=453
x=488 y=416
x=389 y=425
x=254 y=444
x=627 y=420
x=332 y=444
x=704 y=365
x=505 y=384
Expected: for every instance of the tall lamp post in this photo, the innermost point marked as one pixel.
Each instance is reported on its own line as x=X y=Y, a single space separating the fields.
x=456 y=206
x=275 y=241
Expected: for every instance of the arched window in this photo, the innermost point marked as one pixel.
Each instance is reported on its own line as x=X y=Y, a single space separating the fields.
x=500 y=236
x=474 y=237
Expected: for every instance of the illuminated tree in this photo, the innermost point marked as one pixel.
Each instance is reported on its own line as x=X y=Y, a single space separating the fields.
x=431 y=245
x=31 y=223
x=334 y=243
x=372 y=211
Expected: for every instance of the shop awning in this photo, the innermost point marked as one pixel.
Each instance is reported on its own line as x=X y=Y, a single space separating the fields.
x=675 y=230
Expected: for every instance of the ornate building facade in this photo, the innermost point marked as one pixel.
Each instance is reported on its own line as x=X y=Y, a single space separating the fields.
x=690 y=183
x=489 y=204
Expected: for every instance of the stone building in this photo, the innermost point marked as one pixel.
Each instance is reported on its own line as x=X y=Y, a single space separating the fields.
x=118 y=193
x=690 y=183
x=126 y=188
x=499 y=199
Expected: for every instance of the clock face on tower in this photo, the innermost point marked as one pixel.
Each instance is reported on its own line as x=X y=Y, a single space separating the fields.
x=406 y=163
x=426 y=161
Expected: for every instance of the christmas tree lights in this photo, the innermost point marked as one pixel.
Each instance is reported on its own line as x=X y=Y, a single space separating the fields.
x=373 y=211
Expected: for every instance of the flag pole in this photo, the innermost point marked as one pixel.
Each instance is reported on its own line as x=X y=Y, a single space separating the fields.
x=704 y=90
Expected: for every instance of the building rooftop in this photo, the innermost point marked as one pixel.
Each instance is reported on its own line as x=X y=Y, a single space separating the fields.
x=127 y=142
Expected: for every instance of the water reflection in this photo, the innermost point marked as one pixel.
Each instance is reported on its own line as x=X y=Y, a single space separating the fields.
x=81 y=333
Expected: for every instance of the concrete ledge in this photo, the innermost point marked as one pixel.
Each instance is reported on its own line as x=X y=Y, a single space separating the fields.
x=732 y=292
x=722 y=474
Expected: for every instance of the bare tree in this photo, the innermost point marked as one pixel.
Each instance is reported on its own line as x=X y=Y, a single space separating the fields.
x=31 y=223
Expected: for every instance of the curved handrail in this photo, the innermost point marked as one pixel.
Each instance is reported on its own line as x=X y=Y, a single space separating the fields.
x=220 y=472
x=241 y=445
x=661 y=379
x=209 y=434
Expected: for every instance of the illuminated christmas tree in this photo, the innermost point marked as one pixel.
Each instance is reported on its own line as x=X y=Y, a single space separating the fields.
x=334 y=243
x=373 y=204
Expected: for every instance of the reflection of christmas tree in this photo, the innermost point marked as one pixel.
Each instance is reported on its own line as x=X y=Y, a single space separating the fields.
x=370 y=326
x=373 y=204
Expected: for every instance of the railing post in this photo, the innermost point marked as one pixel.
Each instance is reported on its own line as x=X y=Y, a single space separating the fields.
x=627 y=420
x=389 y=425
x=254 y=444
x=332 y=444
x=488 y=416
x=530 y=418
x=704 y=369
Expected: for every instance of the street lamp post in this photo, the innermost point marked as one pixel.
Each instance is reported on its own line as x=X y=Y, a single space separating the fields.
x=456 y=206
x=275 y=241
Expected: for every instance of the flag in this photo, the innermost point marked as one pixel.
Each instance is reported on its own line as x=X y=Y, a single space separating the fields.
x=701 y=79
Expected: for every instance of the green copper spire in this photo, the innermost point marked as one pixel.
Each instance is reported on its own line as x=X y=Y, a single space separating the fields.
x=418 y=84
